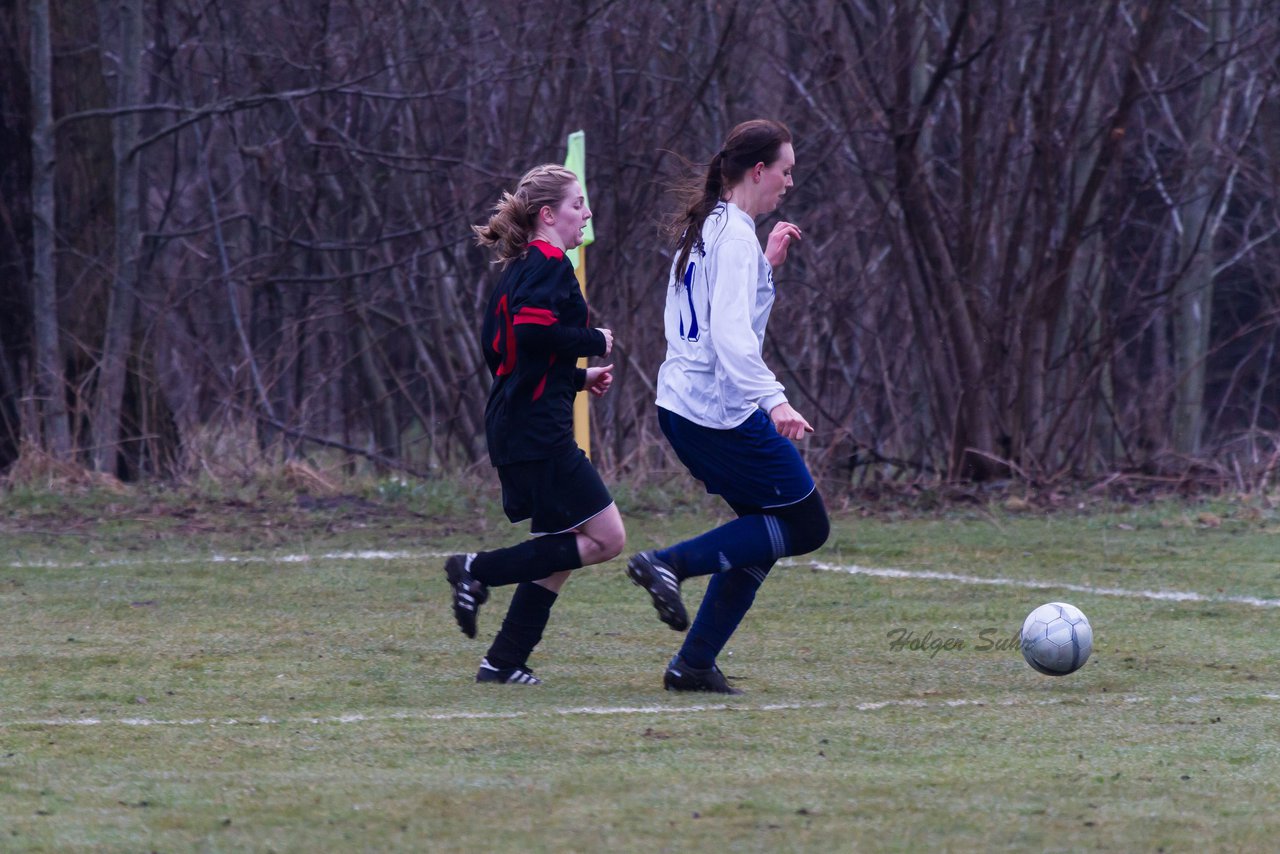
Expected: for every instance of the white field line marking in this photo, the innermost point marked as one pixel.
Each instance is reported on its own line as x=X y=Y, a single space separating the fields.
x=875 y=572
x=932 y=575
x=370 y=554
x=607 y=711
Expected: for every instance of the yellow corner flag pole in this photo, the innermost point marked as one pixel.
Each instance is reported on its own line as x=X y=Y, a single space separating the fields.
x=576 y=161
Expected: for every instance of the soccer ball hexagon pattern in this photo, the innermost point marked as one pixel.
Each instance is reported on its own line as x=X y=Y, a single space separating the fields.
x=1057 y=639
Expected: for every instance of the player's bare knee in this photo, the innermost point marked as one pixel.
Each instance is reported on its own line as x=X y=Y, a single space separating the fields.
x=608 y=546
x=615 y=544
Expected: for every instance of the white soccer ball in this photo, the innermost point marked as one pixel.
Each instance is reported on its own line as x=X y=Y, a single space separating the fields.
x=1057 y=639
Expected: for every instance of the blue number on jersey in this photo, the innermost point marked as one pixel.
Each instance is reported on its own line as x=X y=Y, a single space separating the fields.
x=693 y=314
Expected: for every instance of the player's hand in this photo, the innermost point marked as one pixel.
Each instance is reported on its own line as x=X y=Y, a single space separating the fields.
x=608 y=340
x=599 y=379
x=780 y=240
x=789 y=423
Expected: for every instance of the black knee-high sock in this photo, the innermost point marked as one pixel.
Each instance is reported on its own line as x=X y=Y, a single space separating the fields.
x=522 y=627
x=527 y=561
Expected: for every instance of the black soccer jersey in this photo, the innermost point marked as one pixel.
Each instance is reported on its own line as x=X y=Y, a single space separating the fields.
x=534 y=331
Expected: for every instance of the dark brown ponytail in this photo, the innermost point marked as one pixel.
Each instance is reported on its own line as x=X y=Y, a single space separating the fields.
x=756 y=141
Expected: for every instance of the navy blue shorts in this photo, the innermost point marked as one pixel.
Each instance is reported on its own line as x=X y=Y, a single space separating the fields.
x=751 y=464
x=557 y=494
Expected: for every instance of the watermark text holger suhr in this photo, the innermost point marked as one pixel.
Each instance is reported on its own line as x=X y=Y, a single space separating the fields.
x=988 y=640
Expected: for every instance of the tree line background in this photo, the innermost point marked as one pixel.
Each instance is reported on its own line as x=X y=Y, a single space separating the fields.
x=1041 y=237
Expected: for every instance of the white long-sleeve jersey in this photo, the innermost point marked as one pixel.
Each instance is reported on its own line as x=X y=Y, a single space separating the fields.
x=714 y=373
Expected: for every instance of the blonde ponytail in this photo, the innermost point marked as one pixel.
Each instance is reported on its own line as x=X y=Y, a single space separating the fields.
x=515 y=217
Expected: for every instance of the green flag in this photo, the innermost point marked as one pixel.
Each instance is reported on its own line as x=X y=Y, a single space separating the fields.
x=576 y=162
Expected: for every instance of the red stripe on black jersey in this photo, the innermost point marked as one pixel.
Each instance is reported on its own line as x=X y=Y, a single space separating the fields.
x=542 y=384
x=538 y=316
x=504 y=339
x=547 y=249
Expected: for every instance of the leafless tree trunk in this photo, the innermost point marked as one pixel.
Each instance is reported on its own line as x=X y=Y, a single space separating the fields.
x=124 y=62
x=50 y=380
x=1196 y=224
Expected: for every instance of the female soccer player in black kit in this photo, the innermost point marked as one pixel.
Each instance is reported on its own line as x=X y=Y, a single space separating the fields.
x=534 y=331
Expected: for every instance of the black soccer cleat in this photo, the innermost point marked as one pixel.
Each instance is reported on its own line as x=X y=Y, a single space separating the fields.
x=468 y=594
x=506 y=675
x=682 y=677
x=645 y=570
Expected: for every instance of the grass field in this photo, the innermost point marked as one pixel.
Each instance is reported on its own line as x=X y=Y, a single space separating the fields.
x=249 y=677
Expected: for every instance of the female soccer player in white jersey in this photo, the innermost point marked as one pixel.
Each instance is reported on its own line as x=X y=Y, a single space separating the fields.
x=533 y=332
x=722 y=409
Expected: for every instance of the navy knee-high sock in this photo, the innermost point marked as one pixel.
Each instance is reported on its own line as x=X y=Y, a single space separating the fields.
x=728 y=598
x=752 y=540
x=528 y=561
x=757 y=538
x=523 y=626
